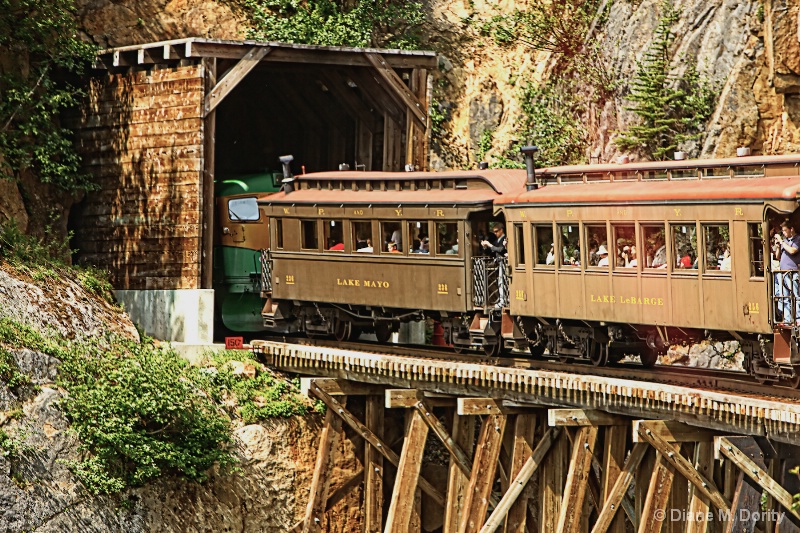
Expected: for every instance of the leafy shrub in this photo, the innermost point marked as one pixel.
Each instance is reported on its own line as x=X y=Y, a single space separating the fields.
x=140 y=411
x=258 y=398
x=376 y=23
x=9 y=371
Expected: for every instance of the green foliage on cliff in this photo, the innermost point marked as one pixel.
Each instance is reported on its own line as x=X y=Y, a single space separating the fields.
x=39 y=38
x=139 y=410
x=672 y=109
x=361 y=23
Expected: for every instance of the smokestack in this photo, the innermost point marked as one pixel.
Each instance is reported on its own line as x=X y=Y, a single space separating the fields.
x=530 y=165
x=288 y=180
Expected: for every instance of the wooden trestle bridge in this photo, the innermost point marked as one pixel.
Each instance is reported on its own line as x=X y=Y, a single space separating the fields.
x=543 y=451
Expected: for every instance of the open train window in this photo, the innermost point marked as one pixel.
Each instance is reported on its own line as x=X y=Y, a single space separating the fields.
x=308 y=235
x=447 y=238
x=570 y=245
x=545 y=245
x=654 y=246
x=420 y=236
x=243 y=210
x=362 y=237
x=279 y=233
x=391 y=233
x=519 y=246
x=624 y=239
x=334 y=235
x=717 y=247
x=597 y=245
x=684 y=247
x=755 y=232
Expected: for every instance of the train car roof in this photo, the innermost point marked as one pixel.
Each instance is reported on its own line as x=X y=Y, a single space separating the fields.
x=470 y=187
x=708 y=190
x=766 y=160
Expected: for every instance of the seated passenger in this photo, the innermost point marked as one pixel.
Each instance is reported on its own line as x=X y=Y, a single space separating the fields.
x=629 y=256
x=453 y=250
x=361 y=243
x=367 y=248
x=551 y=255
x=339 y=246
x=602 y=254
x=391 y=247
x=726 y=260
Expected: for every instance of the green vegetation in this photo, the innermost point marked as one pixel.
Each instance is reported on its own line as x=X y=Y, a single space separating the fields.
x=41 y=36
x=373 y=23
x=142 y=412
x=672 y=110
x=256 y=398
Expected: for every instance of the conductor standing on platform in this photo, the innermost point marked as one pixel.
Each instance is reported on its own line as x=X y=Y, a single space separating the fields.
x=499 y=249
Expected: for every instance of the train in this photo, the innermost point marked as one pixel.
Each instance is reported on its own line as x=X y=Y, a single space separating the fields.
x=602 y=260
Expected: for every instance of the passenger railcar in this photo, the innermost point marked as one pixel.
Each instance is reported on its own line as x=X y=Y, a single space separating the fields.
x=605 y=259
x=330 y=270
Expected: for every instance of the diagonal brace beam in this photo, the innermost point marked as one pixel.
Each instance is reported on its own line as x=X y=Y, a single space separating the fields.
x=373 y=439
x=620 y=488
x=233 y=77
x=396 y=87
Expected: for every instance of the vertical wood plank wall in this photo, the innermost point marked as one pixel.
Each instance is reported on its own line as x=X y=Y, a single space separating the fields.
x=141 y=136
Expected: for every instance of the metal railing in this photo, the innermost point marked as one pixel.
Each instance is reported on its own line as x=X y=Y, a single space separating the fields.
x=266 y=271
x=786 y=296
x=489 y=282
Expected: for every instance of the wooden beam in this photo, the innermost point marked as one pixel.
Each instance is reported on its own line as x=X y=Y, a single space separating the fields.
x=747 y=495
x=687 y=470
x=569 y=518
x=398 y=89
x=584 y=417
x=522 y=450
x=520 y=482
x=699 y=503
x=405 y=398
x=490 y=406
x=348 y=97
x=552 y=476
x=483 y=473
x=234 y=76
x=340 y=387
x=727 y=446
x=671 y=431
x=373 y=439
x=655 y=509
x=315 y=510
x=457 y=481
x=611 y=504
x=208 y=204
x=339 y=494
x=373 y=466
x=613 y=459
x=401 y=508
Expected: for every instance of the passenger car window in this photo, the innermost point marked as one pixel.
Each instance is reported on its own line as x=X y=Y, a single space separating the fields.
x=519 y=243
x=447 y=238
x=279 y=234
x=545 y=245
x=570 y=245
x=419 y=236
x=756 y=233
x=597 y=245
x=308 y=235
x=334 y=235
x=684 y=246
x=243 y=210
x=654 y=245
x=391 y=232
x=362 y=237
x=717 y=243
x=626 y=253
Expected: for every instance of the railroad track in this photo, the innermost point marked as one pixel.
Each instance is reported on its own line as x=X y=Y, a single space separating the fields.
x=710 y=380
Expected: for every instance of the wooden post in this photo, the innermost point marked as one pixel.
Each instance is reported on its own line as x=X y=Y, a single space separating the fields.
x=373 y=468
x=207 y=207
x=613 y=459
x=655 y=510
x=699 y=504
x=318 y=497
x=612 y=503
x=524 y=432
x=569 y=519
x=483 y=471
x=402 y=505
x=458 y=481
x=551 y=484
